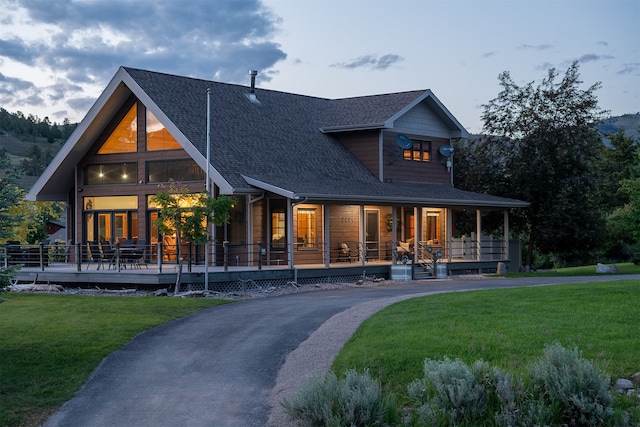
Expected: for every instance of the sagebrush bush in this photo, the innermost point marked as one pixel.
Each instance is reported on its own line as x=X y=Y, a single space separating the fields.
x=572 y=386
x=353 y=401
x=561 y=388
x=450 y=394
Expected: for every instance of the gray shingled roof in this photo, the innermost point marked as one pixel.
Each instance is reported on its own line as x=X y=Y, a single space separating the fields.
x=279 y=142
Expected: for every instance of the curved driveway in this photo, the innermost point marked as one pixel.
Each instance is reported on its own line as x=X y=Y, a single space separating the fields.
x=217 y=367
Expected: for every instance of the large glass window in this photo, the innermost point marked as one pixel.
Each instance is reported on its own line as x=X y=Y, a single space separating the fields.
x=111 y=174
x=124 y=138
x=278 y=224
x=420 y=151
x=110 y=218
x=174 y=170
x=158 y=137
x=307 y=226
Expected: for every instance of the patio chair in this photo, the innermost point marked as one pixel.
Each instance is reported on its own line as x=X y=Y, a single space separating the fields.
x=108 y=253
x=344 y=253
x=136 y=253
x=95 y=254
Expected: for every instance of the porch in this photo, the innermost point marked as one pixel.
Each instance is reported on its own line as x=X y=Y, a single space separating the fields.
x=77 y=266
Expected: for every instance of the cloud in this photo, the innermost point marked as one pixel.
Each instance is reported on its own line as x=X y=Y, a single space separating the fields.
x=370 y=61
x=488 y=54
x=545 y=66
x=602 y=43
x=590 y=57
x=544 y=46
x=630 y=68
x=83 y=43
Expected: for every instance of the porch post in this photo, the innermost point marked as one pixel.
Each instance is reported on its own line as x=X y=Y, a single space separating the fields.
x=417 y=236
x=479 y=234
x=327 y=235
x=363 y=237
x=506 y=234
x=289 y=216
x=449 y=231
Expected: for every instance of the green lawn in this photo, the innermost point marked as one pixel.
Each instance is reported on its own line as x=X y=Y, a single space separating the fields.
x=49 y=344
x=507 y=328
x=585 y=270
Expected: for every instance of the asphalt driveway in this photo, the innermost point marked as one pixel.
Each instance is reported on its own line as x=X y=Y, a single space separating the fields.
x=218 y=366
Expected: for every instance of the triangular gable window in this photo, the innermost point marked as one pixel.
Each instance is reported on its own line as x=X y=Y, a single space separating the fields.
x=124 y=138
x=158 y=137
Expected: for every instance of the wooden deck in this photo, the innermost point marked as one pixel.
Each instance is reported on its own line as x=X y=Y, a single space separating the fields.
x=150 y=276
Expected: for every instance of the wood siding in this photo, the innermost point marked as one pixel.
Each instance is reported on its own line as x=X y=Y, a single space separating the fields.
x=364 y=145
x=397 y=169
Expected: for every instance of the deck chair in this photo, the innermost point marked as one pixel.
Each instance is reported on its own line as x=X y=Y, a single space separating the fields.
x=344 y=253
x=95 y=254
x=136 y=254
x=108 y=253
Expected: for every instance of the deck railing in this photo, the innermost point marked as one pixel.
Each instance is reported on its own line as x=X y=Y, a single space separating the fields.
x=158 y=255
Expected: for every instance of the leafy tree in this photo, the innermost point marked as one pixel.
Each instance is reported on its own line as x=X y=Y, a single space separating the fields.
x=188 y=214
x=33 y=228
x=616 y=166
x=542 y=147
x=624 y=222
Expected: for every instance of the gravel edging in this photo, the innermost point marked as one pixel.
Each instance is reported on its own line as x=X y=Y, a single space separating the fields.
x=313 y=358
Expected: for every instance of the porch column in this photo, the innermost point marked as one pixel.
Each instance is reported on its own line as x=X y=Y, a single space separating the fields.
x=479 y=234
x=363 y=237
x=417 y=237
x=506 y=234
x=326 y=235
x=449 y=231
x=289 y=216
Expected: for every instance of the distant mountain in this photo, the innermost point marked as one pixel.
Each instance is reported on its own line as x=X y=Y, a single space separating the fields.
x=629 y=123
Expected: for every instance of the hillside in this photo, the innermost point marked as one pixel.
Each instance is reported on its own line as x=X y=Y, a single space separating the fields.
x=629 y=123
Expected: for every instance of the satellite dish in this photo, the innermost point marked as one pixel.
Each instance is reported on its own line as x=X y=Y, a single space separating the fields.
x=403 y=141
x=446 y=150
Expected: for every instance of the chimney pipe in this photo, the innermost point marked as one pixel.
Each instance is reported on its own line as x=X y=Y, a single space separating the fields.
x=253 y=74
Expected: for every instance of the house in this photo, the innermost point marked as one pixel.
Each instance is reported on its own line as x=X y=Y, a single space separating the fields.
x=322 y=182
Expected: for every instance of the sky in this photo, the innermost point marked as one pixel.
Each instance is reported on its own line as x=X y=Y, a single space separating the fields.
x=56 y=58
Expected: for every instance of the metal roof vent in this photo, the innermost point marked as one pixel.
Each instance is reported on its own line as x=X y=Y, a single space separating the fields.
x=252 y=93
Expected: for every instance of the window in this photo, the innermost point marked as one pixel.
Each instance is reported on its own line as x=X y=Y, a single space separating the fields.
x=158 y=137
x=420 y=151
x=278 y=224
x=111 y=174
x=174 y=170
x=124 y=138
x=306 y=237
x=432 y=228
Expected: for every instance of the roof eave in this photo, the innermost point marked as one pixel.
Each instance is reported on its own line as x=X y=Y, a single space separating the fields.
x=413 y=201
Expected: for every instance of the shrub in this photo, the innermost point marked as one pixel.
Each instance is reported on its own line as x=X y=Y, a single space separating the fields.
x=450 y=394
x=575 y=389
x=354 y=401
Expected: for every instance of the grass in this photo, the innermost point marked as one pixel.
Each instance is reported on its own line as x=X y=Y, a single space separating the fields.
x=586 y=270
x=507 y=328
x=49 y=344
